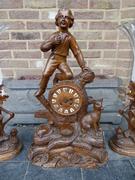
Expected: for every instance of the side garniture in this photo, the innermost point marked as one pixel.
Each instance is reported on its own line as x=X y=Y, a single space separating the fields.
x=124 y=140
x=73 y=136
x=10 y=145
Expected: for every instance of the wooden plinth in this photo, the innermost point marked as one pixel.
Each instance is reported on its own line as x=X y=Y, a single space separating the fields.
x=123 y=150
x=11 y=154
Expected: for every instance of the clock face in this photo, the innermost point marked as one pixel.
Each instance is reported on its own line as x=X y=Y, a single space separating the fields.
x=65 y=99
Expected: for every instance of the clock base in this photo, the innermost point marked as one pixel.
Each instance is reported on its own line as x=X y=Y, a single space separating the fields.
x=83 y=150
x=124 y=143
x=72 y=137
x=10 y=146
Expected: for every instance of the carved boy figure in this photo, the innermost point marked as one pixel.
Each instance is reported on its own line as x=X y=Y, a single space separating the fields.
x=72 y=136
x=59 y=43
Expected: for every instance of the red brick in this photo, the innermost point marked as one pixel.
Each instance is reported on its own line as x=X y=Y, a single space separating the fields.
x=77 y=4
x=125 y=54
x=80 y=25
x=48 y=15
x=46 y=34
x=46 y=54
x=82 y=44
x=11 y=4
x=130 y=13
x=40 y=25
x=93 y=62
x=4 y=36
x=103 y=25
x=110 y=35
x=104 y=4
x=3 y=15
x=12 y=45
x=89 y=15
x=124 y=64
x=103 y=64
x=34 y=44
x=27 y=54
x=102 y=45
x=86 y=35
x=107 y=63
x=7 y=73
x=25 y=72
x=111 y=15
x=73 y=63
x=36 y=64
x=110 y=54
x=12 y=25
x=24 y=14
x=123 y=35
x=109 y=72
x=25 y=35
x=123 y=72
x=76 y=70
x=128 y=3
x=124 y=45
x=93 y=65
x=5 y=54
x=13 y=64
x=40 y=4
x=91 y=54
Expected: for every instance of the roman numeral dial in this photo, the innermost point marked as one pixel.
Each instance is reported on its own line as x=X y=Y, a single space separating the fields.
x=65 y=100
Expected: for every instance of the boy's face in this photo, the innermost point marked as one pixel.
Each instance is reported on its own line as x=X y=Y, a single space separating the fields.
x=64 y=20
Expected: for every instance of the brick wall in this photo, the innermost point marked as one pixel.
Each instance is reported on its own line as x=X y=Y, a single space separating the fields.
x=26 y=23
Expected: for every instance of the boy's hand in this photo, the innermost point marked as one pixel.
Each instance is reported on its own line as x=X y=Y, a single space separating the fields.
x=57 y=39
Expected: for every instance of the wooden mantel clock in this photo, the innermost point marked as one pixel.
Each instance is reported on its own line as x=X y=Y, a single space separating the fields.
x=73 y=136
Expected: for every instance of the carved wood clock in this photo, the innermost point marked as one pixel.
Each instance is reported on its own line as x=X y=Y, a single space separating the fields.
x=66 y=98
x=72 y=135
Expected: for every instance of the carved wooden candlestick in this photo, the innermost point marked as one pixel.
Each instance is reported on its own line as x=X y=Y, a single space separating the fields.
x=10 y=145
x=73 y=136
x=124 y=140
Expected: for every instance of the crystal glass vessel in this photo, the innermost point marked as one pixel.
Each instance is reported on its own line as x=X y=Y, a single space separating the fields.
x=129 y=29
